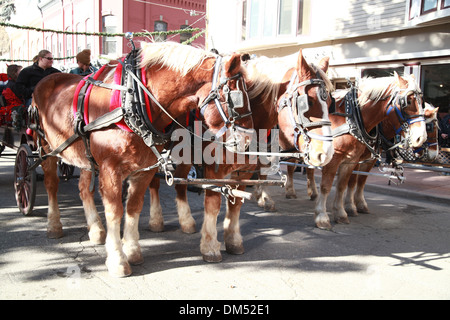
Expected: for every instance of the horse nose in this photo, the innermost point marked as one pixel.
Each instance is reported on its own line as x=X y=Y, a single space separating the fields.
x=418 y=141
x=320 y=158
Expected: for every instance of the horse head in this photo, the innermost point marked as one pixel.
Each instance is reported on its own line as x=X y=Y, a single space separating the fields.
x=303 y=112
x=226 y=109
x=205 y=81
x=430 y=149
x=407 y=103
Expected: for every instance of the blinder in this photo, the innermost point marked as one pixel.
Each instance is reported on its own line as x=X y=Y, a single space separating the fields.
x=299 y=104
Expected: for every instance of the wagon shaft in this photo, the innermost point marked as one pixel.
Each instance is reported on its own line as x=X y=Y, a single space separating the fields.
x=221 y=182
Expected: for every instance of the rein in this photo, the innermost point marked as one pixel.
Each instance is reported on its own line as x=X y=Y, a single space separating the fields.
x=133 y=111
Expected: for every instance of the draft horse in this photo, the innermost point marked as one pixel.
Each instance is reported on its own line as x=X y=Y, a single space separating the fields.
x=295 y=98
x=376 y=99
x=168 y=80
x=355 y=201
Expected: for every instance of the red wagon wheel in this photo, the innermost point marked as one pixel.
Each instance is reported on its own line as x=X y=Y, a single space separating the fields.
x=24 y=180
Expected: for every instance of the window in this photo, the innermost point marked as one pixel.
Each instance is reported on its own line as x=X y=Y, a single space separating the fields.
x=160 y=26
x=429 y=5
x=435 y=80
x=382 y=72
x=68 y=43
x=259 y=20
x=185 y=35
x=109 y=26
x=422 y=8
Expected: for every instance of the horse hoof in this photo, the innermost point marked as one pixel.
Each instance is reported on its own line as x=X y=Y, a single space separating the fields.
x=352 y=213
x=234 y=249
x=291 y=196
x=270 y=208
x=313 y=197
x=189 y=229
x=97 y=238
x=363 y=210
x=157 y=227
x=119 y=271
x=342 y=220
x=323 y=224
x=55 y=234
x=213 y=258
x=135 y=259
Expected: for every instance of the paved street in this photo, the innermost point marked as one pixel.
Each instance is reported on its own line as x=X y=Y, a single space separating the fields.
x=399 y=251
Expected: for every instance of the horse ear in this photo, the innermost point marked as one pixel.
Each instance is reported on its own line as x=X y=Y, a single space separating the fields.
x=324 y=63
x=233 y=65
x=400 y=81
x=303 y=69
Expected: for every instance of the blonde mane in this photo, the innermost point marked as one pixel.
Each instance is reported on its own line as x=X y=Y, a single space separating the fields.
x=266 y=75
x=376 y=89
x=172 y=55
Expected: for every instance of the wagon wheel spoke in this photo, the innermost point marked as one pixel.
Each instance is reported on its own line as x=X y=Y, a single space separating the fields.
x=24 y=180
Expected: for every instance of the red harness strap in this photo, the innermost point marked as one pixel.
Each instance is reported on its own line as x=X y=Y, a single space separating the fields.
x=81 y=84
x=115 y=102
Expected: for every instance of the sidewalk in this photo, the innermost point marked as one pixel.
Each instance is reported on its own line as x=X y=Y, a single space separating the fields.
x=418 y=184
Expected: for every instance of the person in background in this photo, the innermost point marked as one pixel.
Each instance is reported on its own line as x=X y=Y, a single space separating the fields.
x=12 y=110
x=30 y=76
x=10 y=96
x=84 y=64
x=444 y=131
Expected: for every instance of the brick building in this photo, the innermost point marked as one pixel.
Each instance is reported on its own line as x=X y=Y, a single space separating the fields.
x=111 y=16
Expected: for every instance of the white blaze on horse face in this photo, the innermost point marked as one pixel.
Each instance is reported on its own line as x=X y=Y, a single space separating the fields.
x=320 y=151
x=418 y=134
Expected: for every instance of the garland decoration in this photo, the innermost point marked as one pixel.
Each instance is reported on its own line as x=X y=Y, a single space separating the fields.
x=101 y=34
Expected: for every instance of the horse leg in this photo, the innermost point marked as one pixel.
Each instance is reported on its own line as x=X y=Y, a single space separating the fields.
x=290 y=190
x=360 y=201
x=187 y=222
x=110 y=187
x=232 y=233
x=311 y=184
x=97 y=233
x=51 y=182
x=349 y=203
x=262 y=196
x=209 y=246
x=156 y=223
x=136 y=191
x=340 y=215
x=321 y=218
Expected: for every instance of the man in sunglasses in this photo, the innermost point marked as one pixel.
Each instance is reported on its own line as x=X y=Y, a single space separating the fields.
x=30 y=76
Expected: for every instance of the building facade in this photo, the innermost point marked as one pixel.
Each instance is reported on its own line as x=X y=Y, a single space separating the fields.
x=362 y=38
x=93 y=16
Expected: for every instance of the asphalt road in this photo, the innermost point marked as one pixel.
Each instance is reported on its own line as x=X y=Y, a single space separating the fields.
x=399 y=251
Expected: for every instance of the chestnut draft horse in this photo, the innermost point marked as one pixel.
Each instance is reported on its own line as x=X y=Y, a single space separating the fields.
x=307 y=127
x=376 y=98
x=354 y=199
x=177 y=77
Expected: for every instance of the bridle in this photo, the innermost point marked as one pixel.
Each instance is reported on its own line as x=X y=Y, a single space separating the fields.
x=234 y=100
x=399 y=104
x=297 y=104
